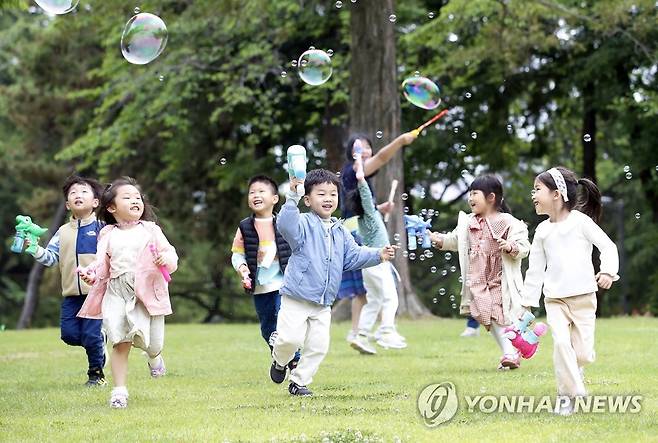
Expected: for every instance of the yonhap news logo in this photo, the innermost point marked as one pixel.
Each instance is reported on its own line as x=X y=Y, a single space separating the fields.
x=438 y=403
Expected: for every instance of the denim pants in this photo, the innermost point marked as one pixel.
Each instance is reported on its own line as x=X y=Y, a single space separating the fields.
x=85 y=332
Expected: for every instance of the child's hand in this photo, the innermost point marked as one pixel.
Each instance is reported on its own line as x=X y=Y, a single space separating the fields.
x=436 y=239
x=408 y=138
x=243 y=272
x=604 y=280
x=386 y=207
x=87 y=275
x=388 y=253
x=294 y=181
x=159 y=260
x=504 y=245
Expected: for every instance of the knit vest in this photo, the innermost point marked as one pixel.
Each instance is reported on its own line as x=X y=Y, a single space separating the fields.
x=251 y=242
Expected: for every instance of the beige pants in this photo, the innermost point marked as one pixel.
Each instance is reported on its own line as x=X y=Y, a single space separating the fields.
x=571 y=320
x=125 y=318
x=304 y=325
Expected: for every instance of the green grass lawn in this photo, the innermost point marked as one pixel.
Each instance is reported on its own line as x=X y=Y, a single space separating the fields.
x=217 y=389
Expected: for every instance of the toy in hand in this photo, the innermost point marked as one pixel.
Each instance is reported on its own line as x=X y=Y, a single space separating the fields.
x=525 y=339
x=163 y=268
x=417 y=226
x=297 y=165
x=25 y=229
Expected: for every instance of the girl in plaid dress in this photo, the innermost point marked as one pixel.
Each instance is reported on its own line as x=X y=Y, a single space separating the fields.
x=491 y=245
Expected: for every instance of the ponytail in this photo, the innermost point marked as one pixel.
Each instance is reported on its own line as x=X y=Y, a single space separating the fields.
x=590 y=201
x=504 y=207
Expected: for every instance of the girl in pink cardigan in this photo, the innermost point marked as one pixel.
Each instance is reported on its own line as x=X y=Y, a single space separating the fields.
x=129 y=290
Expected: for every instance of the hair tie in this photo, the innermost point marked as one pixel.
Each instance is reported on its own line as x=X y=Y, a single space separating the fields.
x=558 y=178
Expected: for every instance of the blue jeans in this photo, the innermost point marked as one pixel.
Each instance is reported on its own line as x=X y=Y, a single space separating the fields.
x=267 y=309
x=472 y=323
x=85 y=332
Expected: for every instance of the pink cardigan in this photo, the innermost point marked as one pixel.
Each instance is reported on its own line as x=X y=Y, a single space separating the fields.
x=150 y=286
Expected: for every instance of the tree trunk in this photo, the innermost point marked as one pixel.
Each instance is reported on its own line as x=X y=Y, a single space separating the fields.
x=36 y=274
x=375 y=106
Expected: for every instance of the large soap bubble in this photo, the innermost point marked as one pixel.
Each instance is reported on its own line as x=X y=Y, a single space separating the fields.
x=314 y=67
x=144 y=38
x=422 y=92
x=57 y=6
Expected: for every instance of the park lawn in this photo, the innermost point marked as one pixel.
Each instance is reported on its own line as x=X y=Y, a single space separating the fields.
x=217 y=389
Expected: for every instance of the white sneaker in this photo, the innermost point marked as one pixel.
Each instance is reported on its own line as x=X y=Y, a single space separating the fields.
x=362 y=345
x=378 y=334
x=564 y=408
x=351 y=336
x=470 y=332
x=390 y=340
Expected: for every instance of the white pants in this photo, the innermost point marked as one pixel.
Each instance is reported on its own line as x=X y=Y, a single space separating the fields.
x=571 y=320
x=304 y=325
x=382 y=295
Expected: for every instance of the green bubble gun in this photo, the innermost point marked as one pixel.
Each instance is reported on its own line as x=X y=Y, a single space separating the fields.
x=25 y=229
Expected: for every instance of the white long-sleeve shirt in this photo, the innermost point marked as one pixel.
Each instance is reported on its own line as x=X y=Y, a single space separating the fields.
x=561 y=259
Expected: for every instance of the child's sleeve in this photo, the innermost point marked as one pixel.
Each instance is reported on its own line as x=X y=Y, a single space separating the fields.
x=450 y=241
x=238 y=257
x=608 y=249
x=358 y=257
x=289 y=222
x=534 y=277
x=518 y=236
x=367 y=202
x=167 y=251
x=48 y=256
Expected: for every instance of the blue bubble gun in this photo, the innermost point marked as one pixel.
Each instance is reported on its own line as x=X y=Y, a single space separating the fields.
x=297 y=164
x=416 y=226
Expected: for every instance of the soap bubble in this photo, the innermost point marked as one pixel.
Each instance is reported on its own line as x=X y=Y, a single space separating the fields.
x=293 y=63
x=222 y=161
x=339 y=4
x=392 y=18
x=448 y=256
x=429 y=254
x=464 y=172
x=442 y=291
x=412 y=256
x=421 y=92
x=379 y=134
x=161 y=78
x=456 y=129
x=430 y=15
x=434 y=300
x=58 y=7
x=405 y=253
x=587 y=138
x=629 y=176
x=460 y=279
x=627 y=168
x=444 y=272
x=452 y=37
x=433 y=269
x=421 y=257
x=637 y=215
x=454 y=306
x=453 y=268
x=452 y=297
x=468 y=95
x=330 y=52
x=144 y=38
x=396 y=237
x=406 y=210
x=462 y=148
x=404 y=196
x=137 y=10
x=510 y=129
x=474 y=135
x=315 y=67
x=284 y=74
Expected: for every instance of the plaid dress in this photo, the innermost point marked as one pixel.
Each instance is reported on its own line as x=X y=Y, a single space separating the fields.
x=486 y=266
x=352 y=283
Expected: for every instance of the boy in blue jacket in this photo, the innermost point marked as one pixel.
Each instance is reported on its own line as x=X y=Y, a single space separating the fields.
x=321 y=250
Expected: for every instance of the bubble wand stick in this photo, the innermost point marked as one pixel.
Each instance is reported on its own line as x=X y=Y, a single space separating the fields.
x=163 y=268
x=429 y=122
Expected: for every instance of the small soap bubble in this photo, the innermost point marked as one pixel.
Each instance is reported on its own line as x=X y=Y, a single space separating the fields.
x=412 y=256
x=429 y=254
x=629 y=176
x=339 y=4
x=442 y=291
x=452 y=297
x=433 y=269
x=434 y=300
x=464 y=172
x=627 y=168
x=461 y=279
x=421 y=257
x=330 y=52
x=337 y=173
x=404 y=196
x=587 y=138
x=452 y=37
x=379 y=134
x=453 y=268
x=161 y=78
x=637 y=215
x=406 y=210
x=417 y=74
x=474 y=135
x=222 y=161
x=444 y=272
x=423 y=212
x=447 y=256
x=284 y=74
x=462 y=148
x=137 y=10
x=468 y=95
x=392 y=18
x=454 y=306
x=430 y=15
x=510 y=129
x=311 y=48
x=293 y=63
x=405 y=254
x=396 y=237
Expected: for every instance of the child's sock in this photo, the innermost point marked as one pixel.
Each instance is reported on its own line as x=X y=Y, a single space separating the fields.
x=155 y=361
x=498 y=331
x=120 y=390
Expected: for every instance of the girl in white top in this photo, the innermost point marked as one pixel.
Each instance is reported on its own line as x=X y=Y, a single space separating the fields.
x=561 y=263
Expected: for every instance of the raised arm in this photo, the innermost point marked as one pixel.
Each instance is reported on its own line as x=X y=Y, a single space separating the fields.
x=289 y=222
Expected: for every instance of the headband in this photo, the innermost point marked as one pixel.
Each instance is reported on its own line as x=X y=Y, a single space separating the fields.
x=558 y=178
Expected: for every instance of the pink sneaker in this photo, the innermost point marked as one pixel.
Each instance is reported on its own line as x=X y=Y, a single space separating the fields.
x=159 y=370
x=510 y=361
